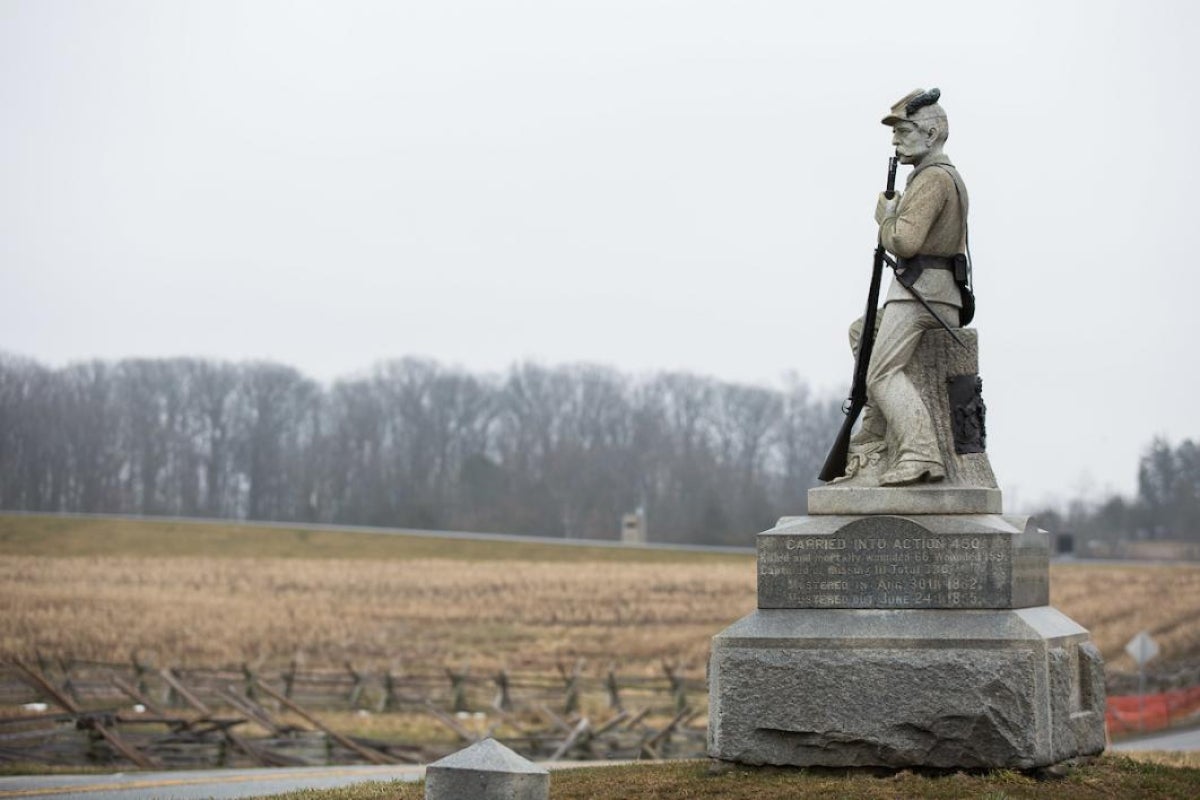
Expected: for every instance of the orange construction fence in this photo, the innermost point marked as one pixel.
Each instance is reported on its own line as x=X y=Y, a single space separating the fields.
x=1151 y=712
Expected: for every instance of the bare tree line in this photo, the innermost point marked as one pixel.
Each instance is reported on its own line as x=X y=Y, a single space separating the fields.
x=557 y=451
x=1166 y=506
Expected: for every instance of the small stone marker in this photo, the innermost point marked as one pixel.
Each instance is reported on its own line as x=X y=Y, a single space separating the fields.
x=486 y=770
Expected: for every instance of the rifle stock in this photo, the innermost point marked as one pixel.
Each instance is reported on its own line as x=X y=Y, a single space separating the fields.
x=835 y=462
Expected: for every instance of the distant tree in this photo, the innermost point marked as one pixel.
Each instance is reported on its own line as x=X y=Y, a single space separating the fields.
x=1167 y=505
x=28 y=417
x=274 y=426
x=357 y=472
x=806 y=429
x=1169 y=489
x=683 y=465
x=1158 y=476
x=214 y=387
x=745 y=423
x=557 y=451
x=1187 y=491
x=90 y=426
x=1114 y=518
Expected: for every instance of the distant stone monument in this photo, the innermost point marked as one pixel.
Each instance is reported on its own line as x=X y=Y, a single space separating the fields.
x=905 y=621
x=633 y=527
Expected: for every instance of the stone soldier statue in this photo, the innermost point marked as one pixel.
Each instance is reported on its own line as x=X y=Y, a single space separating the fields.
x=925 y=227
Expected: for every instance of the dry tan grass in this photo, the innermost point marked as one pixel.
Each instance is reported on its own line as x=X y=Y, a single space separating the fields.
x=1168 y=758
x=1115 y=602
x=210 y=595
x=211 y=611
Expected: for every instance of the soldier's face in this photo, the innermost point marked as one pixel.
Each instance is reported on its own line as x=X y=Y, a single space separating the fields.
x=911 y=142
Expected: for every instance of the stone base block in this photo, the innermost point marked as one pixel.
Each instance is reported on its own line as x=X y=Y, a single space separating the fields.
x=904 y=688
x=886 y=561
x=929 y=499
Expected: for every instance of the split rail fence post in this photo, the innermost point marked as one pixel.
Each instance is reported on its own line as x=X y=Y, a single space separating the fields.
x=678 y=687
x=614 y=690
x=503 y=700
x=388 y=701
x=248 y=680
x=289 y=680
x=139 y=675
x=458 y=687
x=571 y=703
x=357 y=689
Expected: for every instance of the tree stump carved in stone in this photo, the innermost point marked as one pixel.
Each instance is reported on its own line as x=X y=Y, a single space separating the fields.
x=946 y=374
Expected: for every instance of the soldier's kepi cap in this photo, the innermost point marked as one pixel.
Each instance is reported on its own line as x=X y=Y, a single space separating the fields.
x=916 y=106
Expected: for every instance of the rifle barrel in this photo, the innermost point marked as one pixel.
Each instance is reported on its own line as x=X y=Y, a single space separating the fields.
x=835 y=462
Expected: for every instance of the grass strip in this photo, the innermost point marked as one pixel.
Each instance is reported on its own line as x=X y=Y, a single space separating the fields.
x=1106 y=777
x=79 y=536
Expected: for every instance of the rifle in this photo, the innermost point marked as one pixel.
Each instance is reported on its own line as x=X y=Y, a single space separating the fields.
x=835 y=462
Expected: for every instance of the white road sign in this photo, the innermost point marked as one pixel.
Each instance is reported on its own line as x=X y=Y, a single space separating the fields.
x=1142 y=648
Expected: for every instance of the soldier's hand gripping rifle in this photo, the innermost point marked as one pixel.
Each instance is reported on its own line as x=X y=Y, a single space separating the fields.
x=835 y=462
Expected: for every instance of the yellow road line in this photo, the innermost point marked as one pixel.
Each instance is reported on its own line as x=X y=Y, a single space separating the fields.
x=126 y=786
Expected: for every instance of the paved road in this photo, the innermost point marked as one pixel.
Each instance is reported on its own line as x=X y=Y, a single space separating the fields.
x=1170 y=740
x=218 y=784
x=197 y=785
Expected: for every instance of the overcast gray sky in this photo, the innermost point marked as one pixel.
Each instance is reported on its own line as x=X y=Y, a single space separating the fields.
x=649 y=185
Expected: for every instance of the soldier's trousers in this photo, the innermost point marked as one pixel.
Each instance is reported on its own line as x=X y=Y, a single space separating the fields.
x=895 y=411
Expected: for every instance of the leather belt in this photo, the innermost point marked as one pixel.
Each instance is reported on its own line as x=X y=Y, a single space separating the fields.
x=926 y=262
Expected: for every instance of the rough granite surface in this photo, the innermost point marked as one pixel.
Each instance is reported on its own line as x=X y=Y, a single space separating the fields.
x=900 y=688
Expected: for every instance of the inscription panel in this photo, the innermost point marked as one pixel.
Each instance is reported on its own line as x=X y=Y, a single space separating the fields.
x=889 y=563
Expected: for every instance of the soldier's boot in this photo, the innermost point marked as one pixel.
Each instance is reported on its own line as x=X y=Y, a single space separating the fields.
x=907 y=473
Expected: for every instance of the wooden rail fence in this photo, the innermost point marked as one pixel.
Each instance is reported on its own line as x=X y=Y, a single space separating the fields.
x=75 y=712
x=81 y=712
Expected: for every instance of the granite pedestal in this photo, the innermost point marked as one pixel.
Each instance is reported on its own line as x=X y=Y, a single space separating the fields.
x=905 y=639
